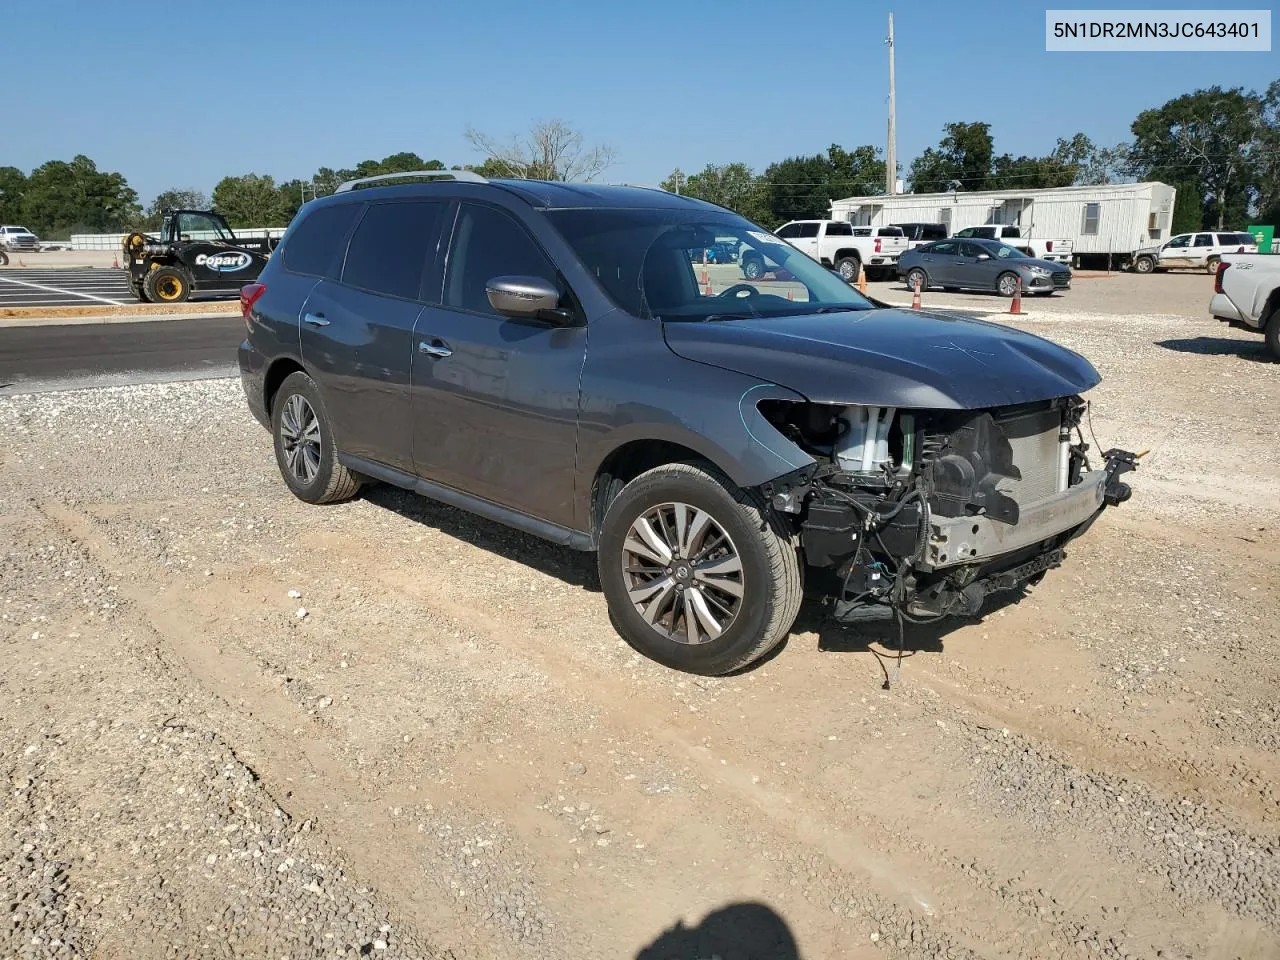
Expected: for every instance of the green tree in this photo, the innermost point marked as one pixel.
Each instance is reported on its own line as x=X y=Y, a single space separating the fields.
x=732 y=185
x=61 y=198
x=962 y=160
x=250 y=200
x=1208 y=138
x=175 y=198
x=13 y=184
x=1188 y=208
x=803 y=187
x=1266 y=157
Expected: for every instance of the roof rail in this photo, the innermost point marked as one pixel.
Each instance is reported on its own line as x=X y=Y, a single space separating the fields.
x=466 y=175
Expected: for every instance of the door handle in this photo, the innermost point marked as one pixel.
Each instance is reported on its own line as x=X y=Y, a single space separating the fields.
x=434 y=348
x=315 y=319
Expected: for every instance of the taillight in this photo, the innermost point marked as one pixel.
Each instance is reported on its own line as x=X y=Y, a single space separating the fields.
x=1048 y=246
x=250 y=294
x=877 y=244
x=1217 y=277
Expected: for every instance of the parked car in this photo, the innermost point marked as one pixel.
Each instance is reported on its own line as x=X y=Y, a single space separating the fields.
x=919 y=233
x=1246 y=293
x=956 y=264
x=719 y=252
x=844 y=247
x=1193 y=251
x=18 y=238
x=1058 y=250
x=543 y=355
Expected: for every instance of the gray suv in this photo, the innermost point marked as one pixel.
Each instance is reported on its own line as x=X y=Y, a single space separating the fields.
x=547 y=355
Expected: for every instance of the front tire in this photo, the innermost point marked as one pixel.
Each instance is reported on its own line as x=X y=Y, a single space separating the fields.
x=305 y=451
x=1144 y=265
x=167 y=285
x=1007 y=284
x=699 y=574
x=4 y=259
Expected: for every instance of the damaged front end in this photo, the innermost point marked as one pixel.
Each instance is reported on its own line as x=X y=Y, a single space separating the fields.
x=925 y=513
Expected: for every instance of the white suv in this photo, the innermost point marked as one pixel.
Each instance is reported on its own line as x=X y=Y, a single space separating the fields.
x=1193 y=251
x=18 y=238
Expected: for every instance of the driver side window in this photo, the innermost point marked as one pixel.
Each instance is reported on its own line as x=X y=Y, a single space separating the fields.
x=1180 y=241
x=488 y=243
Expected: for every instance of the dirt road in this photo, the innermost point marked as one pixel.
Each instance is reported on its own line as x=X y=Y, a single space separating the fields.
x=437 y=746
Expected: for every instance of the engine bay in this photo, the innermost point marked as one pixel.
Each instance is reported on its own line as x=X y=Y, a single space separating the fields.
x=923 y=513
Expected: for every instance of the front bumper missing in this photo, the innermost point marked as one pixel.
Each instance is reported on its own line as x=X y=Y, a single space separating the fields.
x=953 y=541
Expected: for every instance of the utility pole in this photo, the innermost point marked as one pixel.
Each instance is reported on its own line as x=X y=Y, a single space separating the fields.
x=891 y=150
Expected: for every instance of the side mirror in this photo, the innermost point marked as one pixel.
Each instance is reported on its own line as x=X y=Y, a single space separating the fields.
x=527 y=298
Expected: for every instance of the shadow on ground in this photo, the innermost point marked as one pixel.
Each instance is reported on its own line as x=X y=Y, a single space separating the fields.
x=1255 y=350
x=571 y=566
x=740 y=931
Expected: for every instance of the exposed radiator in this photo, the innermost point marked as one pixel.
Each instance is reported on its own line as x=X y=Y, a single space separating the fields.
x=1035 y=438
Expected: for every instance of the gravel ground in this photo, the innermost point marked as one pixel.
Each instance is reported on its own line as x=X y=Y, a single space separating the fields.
x=235 y=725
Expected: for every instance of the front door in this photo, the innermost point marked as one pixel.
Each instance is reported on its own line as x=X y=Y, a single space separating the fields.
x=357 y=331
x=1176 y=253
x=495 y=400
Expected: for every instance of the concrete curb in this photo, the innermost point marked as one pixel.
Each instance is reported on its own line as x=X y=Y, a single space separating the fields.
x=113 y=318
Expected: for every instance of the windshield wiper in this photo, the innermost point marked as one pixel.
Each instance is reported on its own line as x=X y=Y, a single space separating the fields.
x=732 y=316
x=838 y=310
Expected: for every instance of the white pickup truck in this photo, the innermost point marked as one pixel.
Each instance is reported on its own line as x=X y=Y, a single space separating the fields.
x=1246 y=293
x=1057 y=250
x=841 y=245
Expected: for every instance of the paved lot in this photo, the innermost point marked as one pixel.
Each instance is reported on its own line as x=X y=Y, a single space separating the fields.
x=50 y=357
x=68 y=287
x=436 y=746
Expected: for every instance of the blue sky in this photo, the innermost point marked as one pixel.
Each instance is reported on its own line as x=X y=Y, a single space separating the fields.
x=181 y=94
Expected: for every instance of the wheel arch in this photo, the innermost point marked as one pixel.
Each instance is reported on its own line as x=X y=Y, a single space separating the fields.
x=853 y=253
x=276 y=373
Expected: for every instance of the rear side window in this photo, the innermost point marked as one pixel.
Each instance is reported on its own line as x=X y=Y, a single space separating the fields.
x=1204 y=240
x=933 y=231
x=391 y=247
x=890 y=232
x=1010 y=232
x=807 y=229
x=837 y=228
x=316 y=244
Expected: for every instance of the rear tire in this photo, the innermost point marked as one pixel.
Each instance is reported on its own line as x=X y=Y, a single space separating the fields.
x=167 y=285
x=305 y=451
x=1144 y=265
x=1272 y=334
x=1211 y=265
x=847 y=267
x=742 y=569
x=917 y=275
x=4 y=259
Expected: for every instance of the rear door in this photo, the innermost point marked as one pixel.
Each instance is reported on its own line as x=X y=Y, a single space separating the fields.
x=357 y=331
x=940 y=262
x=1202 y=248
x=495 y=400
x=806 y=238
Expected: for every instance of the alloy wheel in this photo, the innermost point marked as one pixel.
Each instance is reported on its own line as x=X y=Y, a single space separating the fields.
x=683 y=573
x=300 y=437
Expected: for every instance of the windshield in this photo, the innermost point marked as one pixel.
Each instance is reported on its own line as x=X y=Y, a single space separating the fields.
x=201 y=226
x=694 y=265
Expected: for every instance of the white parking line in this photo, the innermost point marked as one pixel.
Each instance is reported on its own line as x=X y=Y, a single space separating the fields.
x=65 y=293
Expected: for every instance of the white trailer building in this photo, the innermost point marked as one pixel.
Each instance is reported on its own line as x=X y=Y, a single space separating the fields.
x=1112 y=220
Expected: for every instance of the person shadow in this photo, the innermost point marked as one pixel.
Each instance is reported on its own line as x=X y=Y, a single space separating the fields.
x=739 y=931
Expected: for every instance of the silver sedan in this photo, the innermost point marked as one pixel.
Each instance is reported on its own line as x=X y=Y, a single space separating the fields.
x=981 y=265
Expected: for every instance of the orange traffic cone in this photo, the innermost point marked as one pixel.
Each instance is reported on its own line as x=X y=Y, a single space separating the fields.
x=115 y=263
x=1016 y=306
x=20 y=262
x=790 y=295
x=862 y=280
x=915 y=296
x=707 y=291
